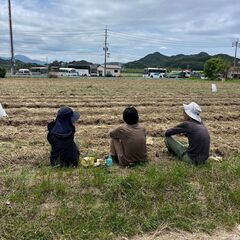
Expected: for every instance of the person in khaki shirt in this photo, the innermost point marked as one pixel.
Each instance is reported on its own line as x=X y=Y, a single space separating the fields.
x=128 y=141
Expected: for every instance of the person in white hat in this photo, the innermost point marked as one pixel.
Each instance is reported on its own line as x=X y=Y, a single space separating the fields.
x=198 y=137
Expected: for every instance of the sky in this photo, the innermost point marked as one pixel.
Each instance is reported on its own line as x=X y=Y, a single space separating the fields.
x=67 y=30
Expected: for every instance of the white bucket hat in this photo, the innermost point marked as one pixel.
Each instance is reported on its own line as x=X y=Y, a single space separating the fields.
x=193 y=111
x=2 y=111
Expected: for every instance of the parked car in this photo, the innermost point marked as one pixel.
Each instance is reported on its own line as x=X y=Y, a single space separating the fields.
x=176 y=75
x=157 y=75
x=93 y=74
x=23 y=72
x=204 y=78
x=67 y=72
x=196 y=74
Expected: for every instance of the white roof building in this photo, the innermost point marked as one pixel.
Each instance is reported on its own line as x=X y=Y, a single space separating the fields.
x=111 y=71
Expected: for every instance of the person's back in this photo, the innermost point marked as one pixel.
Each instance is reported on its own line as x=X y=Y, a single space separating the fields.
x=197 y=134
x=128 y=143
x=133 y=139
x=198 y=138
x=64 y=151
x=199 y=141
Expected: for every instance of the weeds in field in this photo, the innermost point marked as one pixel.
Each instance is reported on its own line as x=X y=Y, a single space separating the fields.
x=103 y=203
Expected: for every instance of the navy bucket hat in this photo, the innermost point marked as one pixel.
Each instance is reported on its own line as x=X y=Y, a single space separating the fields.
x=66 y=112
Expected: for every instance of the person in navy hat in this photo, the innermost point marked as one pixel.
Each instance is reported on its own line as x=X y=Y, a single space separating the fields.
x=64 y=151
x=198 y=136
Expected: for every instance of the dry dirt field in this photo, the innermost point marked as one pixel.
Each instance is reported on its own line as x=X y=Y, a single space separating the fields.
x=32 y=103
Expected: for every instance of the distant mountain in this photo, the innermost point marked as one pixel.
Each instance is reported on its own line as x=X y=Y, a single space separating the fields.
x=225 y=56
x=6 y=62
x=181 y=61
x=25 y=59
x=194 y=61
x=4 y=58
x=21 y=59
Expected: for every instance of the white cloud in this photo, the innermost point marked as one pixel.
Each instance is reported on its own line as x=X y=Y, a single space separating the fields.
x=68 y=30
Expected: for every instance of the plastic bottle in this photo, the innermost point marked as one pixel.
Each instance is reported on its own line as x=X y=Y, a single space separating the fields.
x=109 y=161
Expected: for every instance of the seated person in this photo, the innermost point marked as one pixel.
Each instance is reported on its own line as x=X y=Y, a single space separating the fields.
x=128 y=141
x=198 y=137
x=61 y=132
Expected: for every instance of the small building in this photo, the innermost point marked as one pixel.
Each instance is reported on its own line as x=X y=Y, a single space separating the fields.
x=234 y=72
x=111 y=71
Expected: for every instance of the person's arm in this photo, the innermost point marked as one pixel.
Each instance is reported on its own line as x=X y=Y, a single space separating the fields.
x=49 y=135
x=179 y=129
x=117 y=133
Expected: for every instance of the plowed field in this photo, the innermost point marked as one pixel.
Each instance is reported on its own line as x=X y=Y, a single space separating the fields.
x=32 y=103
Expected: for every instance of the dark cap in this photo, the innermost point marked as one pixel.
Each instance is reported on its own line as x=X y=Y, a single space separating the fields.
x=67 y=112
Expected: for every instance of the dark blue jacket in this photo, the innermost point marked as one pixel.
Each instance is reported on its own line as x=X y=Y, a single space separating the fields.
x=64 y=151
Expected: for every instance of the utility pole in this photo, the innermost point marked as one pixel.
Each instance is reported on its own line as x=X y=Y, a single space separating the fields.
x=235 y=44
x=47 y=64
x=13 y=69
x=105 y=49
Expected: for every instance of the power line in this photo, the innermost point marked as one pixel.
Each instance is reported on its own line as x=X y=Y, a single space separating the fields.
x=177 y=44
x=145 y=38
x=58 y=31
x=95 y=34
x=130 y=37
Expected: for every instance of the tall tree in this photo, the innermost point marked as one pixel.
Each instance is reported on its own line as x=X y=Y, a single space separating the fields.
x=216 y=67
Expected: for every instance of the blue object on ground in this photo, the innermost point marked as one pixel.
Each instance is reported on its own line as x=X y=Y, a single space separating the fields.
x=109 y=161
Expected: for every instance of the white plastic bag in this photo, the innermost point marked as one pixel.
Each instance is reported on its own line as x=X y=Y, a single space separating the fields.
x=2 y=111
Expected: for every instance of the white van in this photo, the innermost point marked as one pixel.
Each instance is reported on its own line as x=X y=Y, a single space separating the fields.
x=83 y=72
x=67 y=72
x=23 y=72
